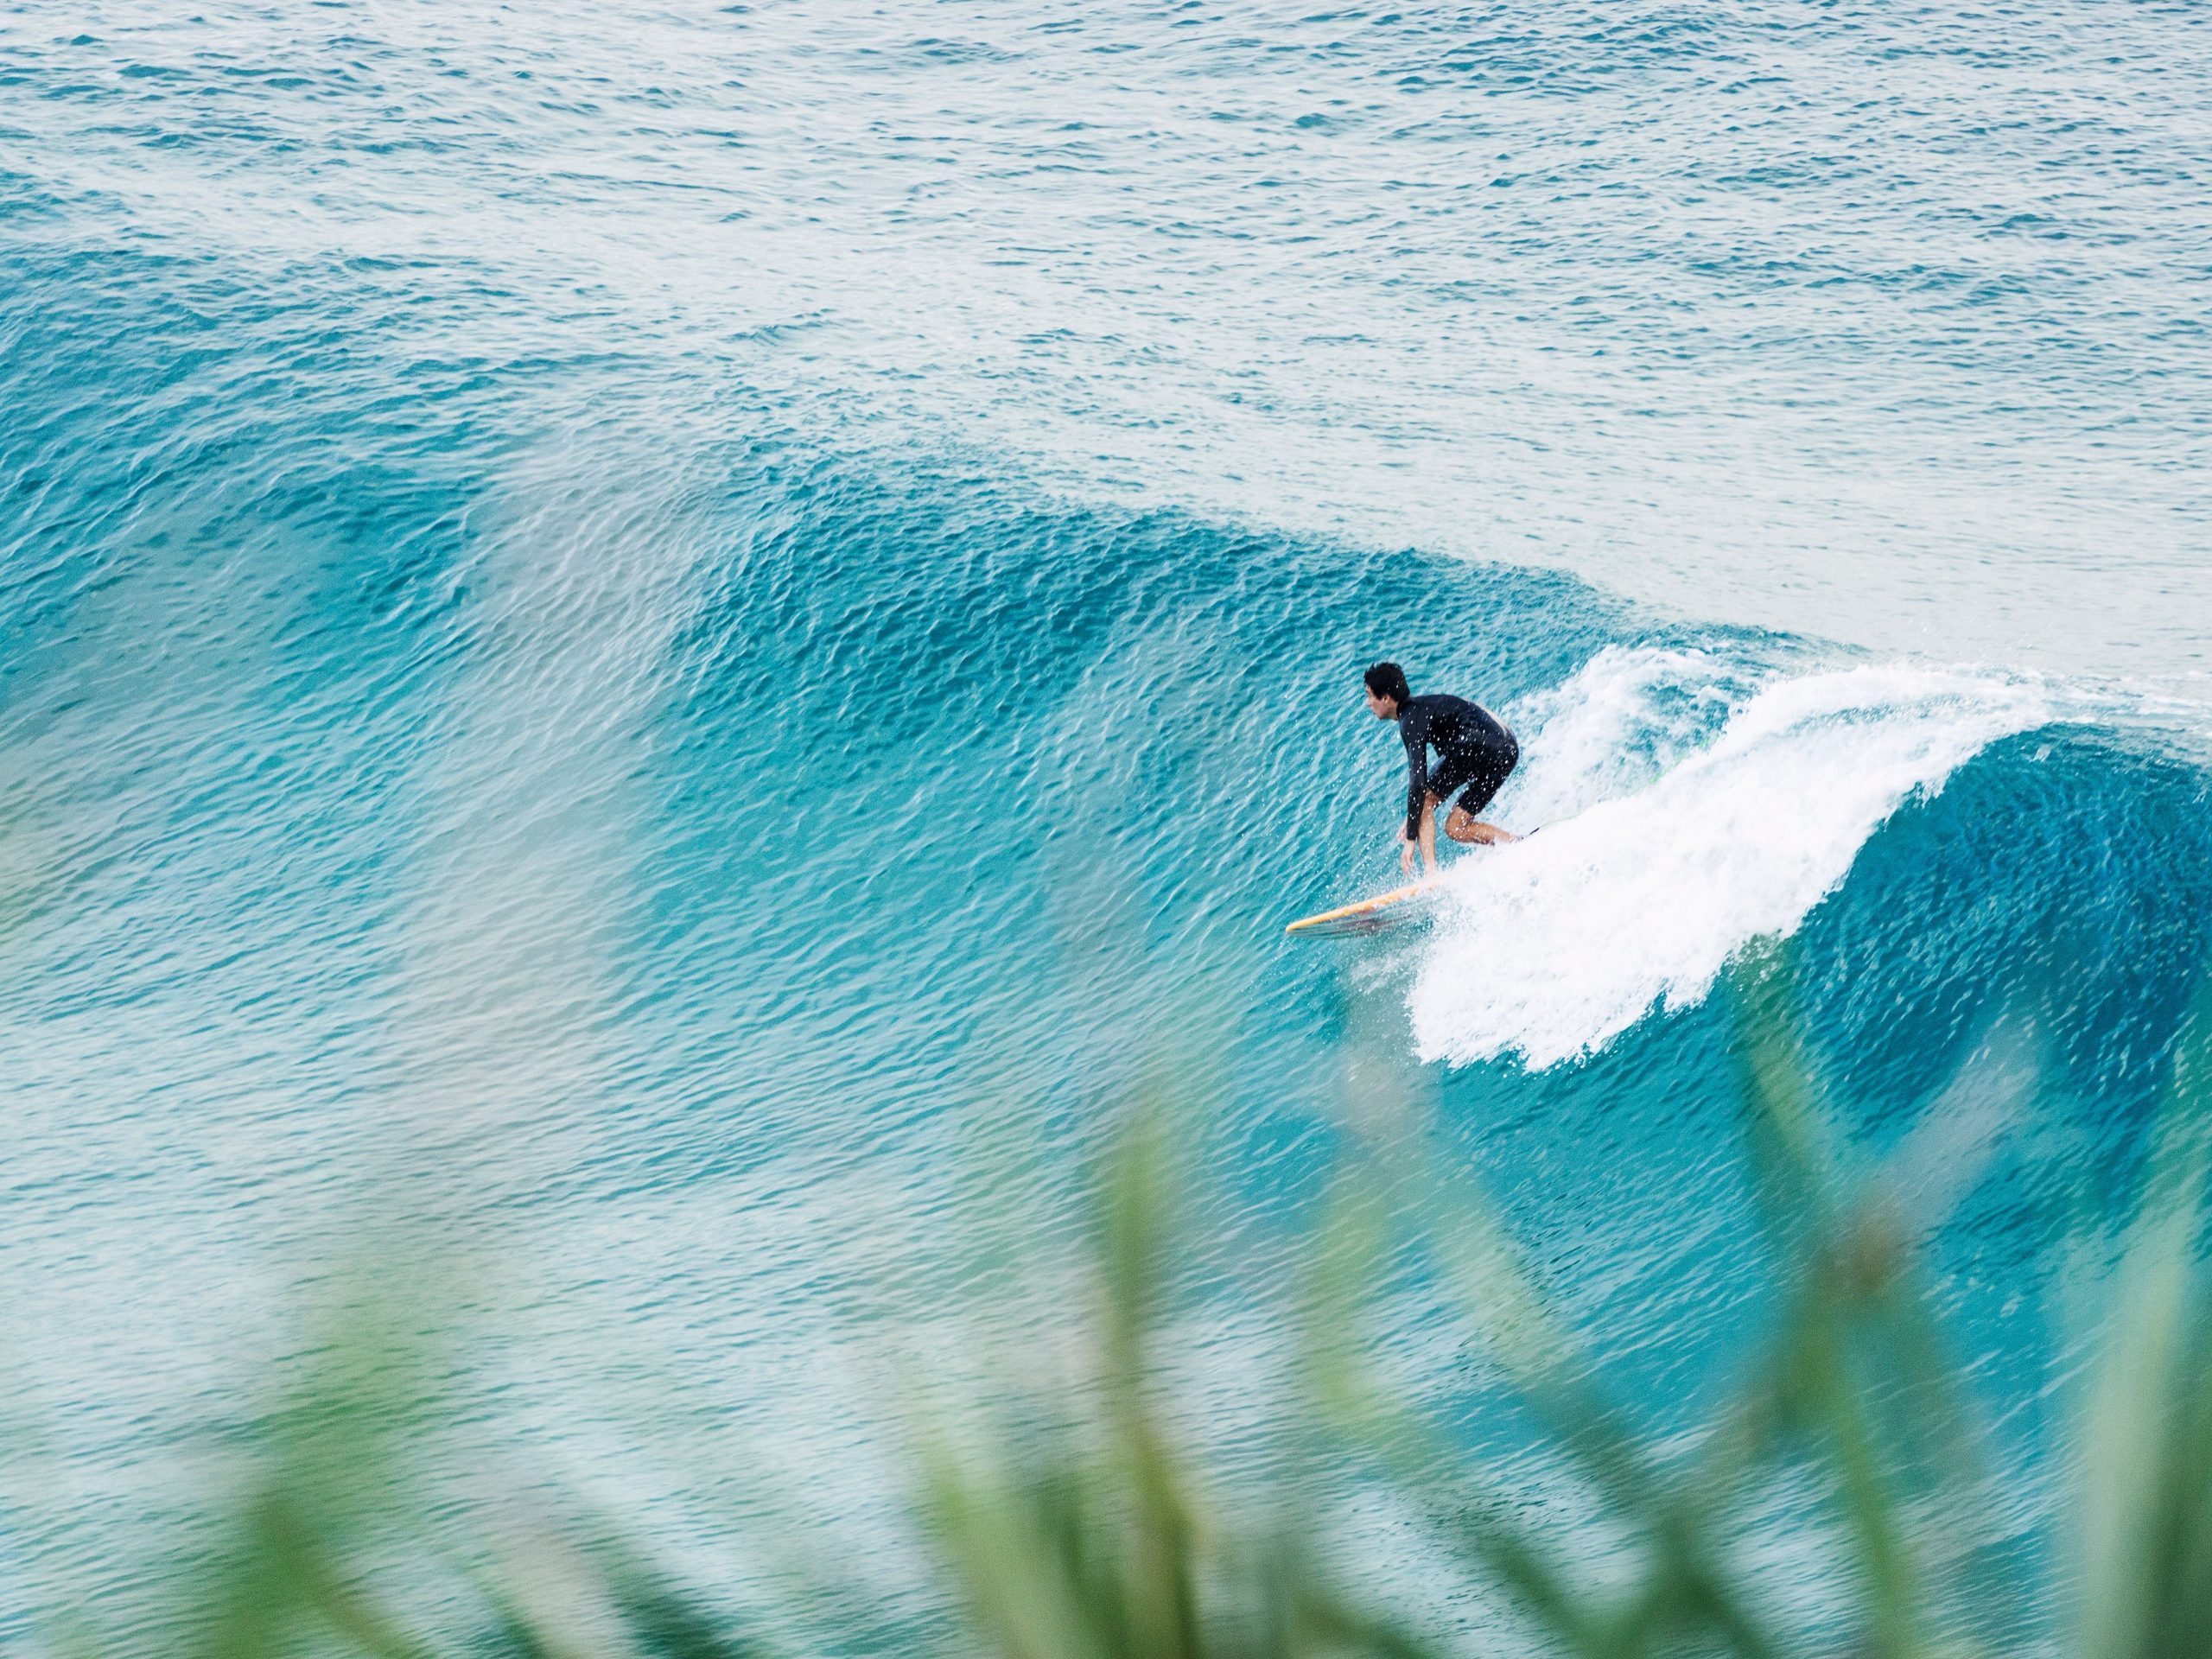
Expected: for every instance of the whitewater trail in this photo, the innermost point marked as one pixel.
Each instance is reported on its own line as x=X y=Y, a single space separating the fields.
x=1706 y=811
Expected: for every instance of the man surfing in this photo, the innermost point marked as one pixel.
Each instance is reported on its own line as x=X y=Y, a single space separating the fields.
x=1475 y=751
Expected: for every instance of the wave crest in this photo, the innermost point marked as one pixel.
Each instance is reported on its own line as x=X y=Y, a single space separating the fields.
x=1706 y=812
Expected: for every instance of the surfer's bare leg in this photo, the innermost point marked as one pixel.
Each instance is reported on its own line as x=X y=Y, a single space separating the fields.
x=1466 y=828
x=1429 y=804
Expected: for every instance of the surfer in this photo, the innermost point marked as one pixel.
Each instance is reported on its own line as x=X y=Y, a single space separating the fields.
x=1478 y=753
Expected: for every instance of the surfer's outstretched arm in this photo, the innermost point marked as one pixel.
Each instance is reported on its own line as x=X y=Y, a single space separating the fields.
x=1420 y=800
x=1413 y=730
x=1420 y=835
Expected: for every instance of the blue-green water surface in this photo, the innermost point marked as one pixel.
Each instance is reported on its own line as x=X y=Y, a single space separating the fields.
x=613 y=624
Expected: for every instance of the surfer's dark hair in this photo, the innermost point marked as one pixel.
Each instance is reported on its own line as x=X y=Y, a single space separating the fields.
x=1388 y=680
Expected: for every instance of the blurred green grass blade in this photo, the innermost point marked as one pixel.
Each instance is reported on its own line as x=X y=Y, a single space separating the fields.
x=2143 y=1527
x=1558 y=1380
x=1073 y=1541
x=1786 y=1131
x=1344 y=1275
x=511 y=1634
x=328 y=1473
x=1836 y=1403
x=281 y=1584
x=1027 y=1563
x=1142 y=1213
x=1071 y=1518
x=667 y=1624
x=1499 y=1299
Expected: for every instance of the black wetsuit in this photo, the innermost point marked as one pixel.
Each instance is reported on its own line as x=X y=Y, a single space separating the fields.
x=1478 y=753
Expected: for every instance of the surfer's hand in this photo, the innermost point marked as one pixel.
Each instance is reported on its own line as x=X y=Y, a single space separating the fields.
x=1406 y=855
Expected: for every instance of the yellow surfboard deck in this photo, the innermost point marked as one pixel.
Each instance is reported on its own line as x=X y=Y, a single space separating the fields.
x=1368 y=916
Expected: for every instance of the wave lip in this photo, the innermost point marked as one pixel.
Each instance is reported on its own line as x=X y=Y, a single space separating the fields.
x=1549 y=948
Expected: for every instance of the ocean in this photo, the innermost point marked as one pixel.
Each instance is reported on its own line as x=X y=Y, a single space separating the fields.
x=623 y=622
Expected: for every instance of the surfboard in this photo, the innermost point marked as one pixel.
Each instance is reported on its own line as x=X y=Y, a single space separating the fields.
x=1368 y=915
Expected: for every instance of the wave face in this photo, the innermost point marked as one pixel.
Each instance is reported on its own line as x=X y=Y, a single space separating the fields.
x=608 y=630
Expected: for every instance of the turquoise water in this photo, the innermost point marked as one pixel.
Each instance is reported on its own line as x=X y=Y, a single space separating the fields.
x=608 y=622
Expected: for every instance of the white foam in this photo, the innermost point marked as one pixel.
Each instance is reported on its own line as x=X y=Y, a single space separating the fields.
x=1550 y=948
x=1614 y=726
